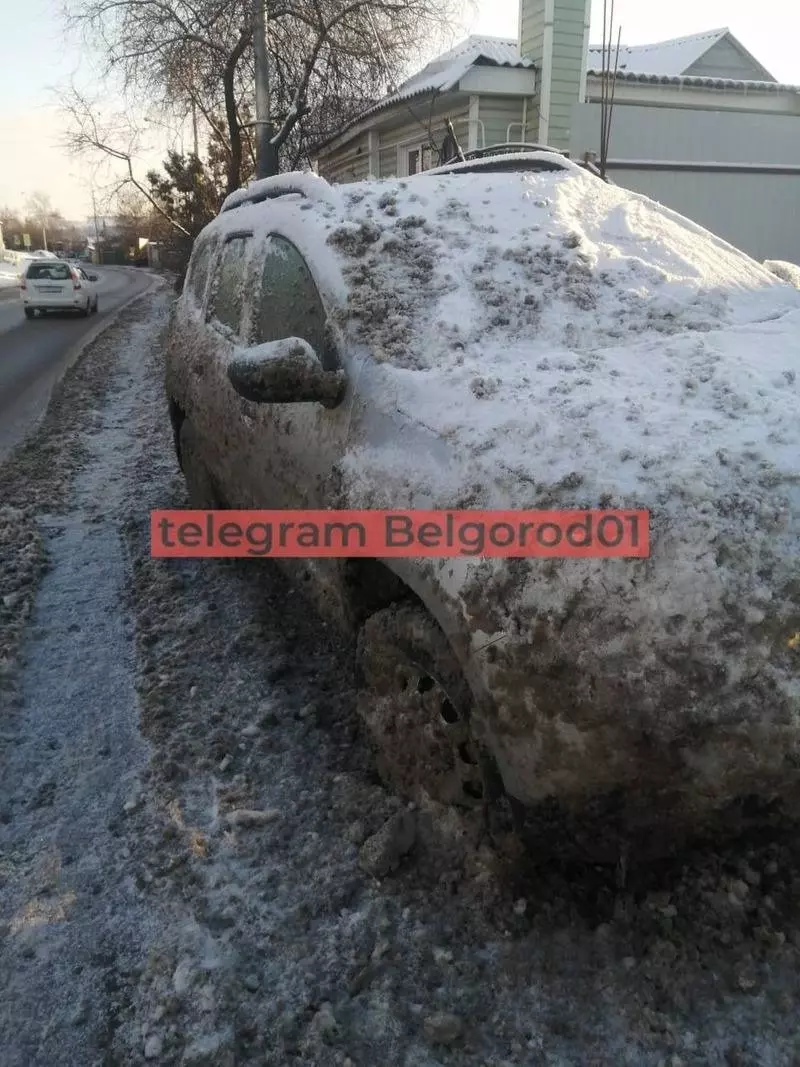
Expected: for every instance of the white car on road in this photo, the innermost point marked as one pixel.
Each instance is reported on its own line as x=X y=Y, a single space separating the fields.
x=53 y=285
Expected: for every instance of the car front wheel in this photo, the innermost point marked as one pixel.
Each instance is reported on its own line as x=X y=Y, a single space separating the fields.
x=415 y=704
x=29 y=313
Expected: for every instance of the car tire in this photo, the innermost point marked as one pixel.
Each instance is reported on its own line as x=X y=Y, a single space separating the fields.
x=29 y=312
x=85 y=310
x=415 y=705
x=94 y=309
x=200 y=486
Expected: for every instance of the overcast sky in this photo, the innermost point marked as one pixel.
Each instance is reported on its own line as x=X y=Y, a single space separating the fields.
x=37 y=57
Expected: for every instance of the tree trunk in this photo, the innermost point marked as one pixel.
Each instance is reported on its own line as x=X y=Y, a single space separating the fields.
x=234 y=170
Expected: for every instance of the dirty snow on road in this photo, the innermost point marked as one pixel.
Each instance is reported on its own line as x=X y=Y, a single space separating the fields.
x=199 y=865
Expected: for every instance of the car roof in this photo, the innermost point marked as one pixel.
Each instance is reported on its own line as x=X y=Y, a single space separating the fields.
x=316 y=190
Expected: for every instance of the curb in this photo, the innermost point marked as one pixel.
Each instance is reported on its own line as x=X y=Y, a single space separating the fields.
x=73 y=354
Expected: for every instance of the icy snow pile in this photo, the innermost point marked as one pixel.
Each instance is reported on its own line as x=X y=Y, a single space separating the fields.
x=787 y=272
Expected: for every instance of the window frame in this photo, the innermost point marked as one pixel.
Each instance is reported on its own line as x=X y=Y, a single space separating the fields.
x=212 y=241
x=404 y=150
x=212 y=283
x=329 y=353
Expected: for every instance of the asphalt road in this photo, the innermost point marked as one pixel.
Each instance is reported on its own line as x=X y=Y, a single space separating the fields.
x=34 y=353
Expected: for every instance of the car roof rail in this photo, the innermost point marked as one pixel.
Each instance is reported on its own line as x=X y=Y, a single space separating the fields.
x=298 y=183
x=502 y=148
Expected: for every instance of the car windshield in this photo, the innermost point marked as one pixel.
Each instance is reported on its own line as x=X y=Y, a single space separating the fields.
x=55 y=272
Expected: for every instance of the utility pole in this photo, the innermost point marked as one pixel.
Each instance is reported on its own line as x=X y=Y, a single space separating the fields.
x=96 y=230
x=266 y=153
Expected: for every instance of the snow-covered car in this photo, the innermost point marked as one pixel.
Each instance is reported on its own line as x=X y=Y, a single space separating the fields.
x=54 y=285
x=523 y=341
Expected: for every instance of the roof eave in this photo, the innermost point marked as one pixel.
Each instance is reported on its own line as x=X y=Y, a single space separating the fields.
x=352 y=128
x=447 y=87
x=699 y=81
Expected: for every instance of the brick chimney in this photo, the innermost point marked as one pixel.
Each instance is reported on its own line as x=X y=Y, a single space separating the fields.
x=555 y=35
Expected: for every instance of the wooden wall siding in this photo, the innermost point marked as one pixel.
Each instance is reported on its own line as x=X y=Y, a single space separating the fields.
x=349 y=164
x=567 y=61
x=404 y=125
x=568 y=47
x=496 y=112
x=407 y=129
x=532 y=30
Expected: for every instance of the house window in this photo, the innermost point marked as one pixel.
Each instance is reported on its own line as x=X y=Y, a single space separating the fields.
x=414 y=158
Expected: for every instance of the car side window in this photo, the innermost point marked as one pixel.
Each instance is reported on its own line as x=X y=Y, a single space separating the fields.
x=201 y=261
x=290 y=304
x=227 y=297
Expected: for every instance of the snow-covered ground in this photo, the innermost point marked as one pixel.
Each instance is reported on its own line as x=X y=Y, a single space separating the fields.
x=199 y=866
x=9 y=276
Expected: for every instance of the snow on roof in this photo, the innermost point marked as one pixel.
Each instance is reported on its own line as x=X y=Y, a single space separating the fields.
x=705 y=82
x=446 y=71
x=303 y=183
x=669 y=58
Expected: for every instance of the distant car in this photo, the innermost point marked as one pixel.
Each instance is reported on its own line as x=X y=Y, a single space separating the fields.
x=53 y=285
x=533 y=339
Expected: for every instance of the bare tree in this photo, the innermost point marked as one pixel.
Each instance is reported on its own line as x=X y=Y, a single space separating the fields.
x=40 y=208
x=195 y=58
x=116 y=139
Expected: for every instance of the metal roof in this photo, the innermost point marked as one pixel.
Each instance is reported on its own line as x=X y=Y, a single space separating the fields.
x=668 y=58
x=446 y=71
x=700 y=81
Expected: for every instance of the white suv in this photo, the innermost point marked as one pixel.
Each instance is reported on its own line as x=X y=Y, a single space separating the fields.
x=53 y=285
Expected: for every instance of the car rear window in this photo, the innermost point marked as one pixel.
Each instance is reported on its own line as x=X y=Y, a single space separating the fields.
x=228 y=292
x=198 y=270
x=54 y=272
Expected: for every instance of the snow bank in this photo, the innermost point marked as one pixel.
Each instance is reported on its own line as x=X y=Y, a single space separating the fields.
x=9 y=276
x=787 y=272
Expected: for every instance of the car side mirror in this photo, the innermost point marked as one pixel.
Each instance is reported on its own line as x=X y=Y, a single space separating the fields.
x=285 y=372
x=92 y=277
